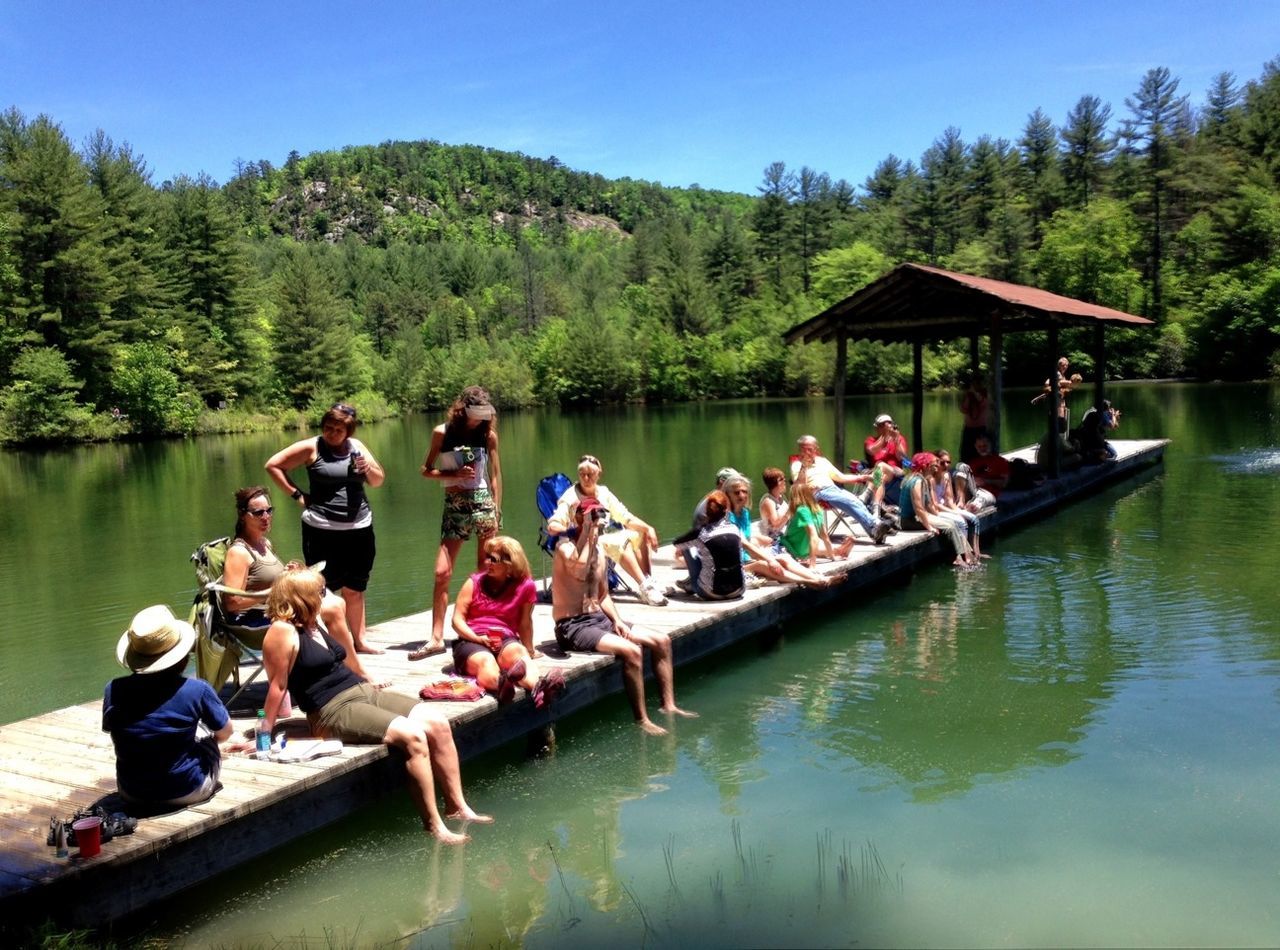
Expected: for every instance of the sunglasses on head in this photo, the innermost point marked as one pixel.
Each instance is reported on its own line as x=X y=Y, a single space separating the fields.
x=343 y=408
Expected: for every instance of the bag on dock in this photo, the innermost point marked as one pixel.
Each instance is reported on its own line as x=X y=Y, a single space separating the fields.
x=452 y=689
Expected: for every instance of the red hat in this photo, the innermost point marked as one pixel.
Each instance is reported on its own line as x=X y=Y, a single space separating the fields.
x=587 y=503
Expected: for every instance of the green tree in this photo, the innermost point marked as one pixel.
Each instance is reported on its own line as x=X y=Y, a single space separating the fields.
x=315 y=347
x=148 y=391
x=1042 y=180
x=40 y=404
x=1087 y=254
x=839 y=272
x=1157 y=110
x=1085 y=148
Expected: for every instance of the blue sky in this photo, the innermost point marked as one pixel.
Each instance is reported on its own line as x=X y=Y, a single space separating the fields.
x=681 y=93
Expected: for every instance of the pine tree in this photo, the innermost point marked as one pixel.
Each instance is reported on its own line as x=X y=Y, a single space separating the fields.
x=1085 y=148
x=312 y=334
x=1042 y=181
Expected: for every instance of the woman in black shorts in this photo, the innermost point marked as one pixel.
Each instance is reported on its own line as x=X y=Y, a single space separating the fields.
x=318 y=671
x=337 y=523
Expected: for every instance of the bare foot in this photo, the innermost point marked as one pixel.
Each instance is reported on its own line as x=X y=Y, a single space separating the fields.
x=985 y=557
x=445 y=836
x=466 y=814
x=677 y=711
x=365 y=648
x=651 y=727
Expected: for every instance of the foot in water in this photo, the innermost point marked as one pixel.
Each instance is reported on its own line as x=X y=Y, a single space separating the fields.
x=651 y=727
x=445 y=836
x=466 y=814
x=677 y=711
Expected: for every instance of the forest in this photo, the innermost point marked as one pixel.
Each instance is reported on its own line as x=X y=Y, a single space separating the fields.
x=392 y=275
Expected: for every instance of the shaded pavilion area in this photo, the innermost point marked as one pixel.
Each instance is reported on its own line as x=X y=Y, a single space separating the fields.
x=920 y=304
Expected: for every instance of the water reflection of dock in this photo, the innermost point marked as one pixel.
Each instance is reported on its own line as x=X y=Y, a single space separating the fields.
x=60 y=762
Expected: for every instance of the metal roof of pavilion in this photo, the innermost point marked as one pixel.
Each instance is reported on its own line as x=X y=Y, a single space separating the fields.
x=918 y=302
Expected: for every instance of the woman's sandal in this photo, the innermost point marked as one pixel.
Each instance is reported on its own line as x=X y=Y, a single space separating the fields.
x=426 y=650
x=507 y=681
x=550 y=687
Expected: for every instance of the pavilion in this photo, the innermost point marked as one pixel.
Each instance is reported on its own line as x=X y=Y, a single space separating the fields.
x=920 y=304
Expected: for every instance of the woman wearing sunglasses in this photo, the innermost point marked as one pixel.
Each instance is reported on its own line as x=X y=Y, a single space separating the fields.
x=337 y=523
x=493 y=618
x=252 y=566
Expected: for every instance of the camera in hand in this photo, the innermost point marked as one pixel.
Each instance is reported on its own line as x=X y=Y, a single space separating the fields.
x=600 y=514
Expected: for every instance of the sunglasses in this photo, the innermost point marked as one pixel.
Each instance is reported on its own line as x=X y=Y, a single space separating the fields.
x=590 y=460
x=497 y=559
x=260 y=512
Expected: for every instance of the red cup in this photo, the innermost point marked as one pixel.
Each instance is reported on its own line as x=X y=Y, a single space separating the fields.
x=88 y=836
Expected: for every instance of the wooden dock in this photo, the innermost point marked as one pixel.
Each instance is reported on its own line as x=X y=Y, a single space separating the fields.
x=60 y=762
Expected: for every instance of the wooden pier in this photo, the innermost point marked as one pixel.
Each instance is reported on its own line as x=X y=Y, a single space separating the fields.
x=60 y=762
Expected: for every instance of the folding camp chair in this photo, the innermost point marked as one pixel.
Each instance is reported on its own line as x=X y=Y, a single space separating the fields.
x=826 y=509
x=221 y=645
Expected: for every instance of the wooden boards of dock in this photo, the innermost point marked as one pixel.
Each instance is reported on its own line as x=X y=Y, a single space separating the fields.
x=60 y=762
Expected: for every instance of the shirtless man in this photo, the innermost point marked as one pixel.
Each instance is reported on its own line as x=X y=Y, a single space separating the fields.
x=587 y=620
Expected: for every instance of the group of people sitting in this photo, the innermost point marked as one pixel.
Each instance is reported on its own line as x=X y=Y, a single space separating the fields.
x=170 y=732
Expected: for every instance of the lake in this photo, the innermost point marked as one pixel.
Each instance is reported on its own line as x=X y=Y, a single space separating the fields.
x=1074 y=745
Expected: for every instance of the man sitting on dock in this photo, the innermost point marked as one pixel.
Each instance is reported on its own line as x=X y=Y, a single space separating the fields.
x=587 y=619
x=826 y=481
x=887 y=457
x=990 y=469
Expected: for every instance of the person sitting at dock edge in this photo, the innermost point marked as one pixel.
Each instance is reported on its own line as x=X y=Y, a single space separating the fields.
x=587 y=620
x=760 y=556
x=320 y=673
x=826 y=481
x=990 y=469
x=493 y=618
x=165 y=727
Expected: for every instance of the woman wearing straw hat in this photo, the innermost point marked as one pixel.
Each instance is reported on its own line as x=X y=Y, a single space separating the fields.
x=165 y=727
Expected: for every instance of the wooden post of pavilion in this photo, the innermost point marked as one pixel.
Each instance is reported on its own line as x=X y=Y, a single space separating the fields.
x=995 y=396
x=842 y=359
x=917 y=395
x=1099 y=364
x=1054 y=467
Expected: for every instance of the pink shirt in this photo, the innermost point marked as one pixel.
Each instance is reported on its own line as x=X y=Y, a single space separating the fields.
x=487 y=611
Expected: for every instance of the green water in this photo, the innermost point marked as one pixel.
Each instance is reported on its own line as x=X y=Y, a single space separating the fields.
x=1072 y=746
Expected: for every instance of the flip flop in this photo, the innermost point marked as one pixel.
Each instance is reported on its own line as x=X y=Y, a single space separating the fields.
x=550 y=687
x=427 y=650
x=507 y=681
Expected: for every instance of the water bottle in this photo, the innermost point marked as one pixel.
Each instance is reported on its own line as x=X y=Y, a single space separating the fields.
x=355 y=457
x=263 y=736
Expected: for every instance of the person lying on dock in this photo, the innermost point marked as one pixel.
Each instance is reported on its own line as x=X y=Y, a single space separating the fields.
x=587 y=620
x=164 y=726
x=887 y=457
x=493 y=618
x=252 y=566
x=713 y=553
x=760 y=556
x=826 y=480
x=805 y=537
x=920 y=513
x=320 y=673
x=627 y=545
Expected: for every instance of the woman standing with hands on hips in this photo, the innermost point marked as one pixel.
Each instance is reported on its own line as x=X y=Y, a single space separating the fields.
x=464 y=455
x=337 y=523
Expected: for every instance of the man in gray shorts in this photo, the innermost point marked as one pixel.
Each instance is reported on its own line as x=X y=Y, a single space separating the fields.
x=587 y=620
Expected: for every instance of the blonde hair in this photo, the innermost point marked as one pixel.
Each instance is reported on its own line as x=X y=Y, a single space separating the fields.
x=295 y=597
x=802 y=494
x=514 y=553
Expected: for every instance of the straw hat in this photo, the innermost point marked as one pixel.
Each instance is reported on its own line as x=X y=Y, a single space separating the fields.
x=155 y=641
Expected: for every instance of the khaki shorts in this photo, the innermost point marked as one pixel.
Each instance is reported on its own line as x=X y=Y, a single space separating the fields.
x=360 y=715
x=615 y=543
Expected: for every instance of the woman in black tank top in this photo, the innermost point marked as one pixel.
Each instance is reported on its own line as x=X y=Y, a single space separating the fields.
x=337 y=524
x=324 y=678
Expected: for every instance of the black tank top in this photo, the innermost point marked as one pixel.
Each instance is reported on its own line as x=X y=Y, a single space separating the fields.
x=318 y=672
x=337 y=490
